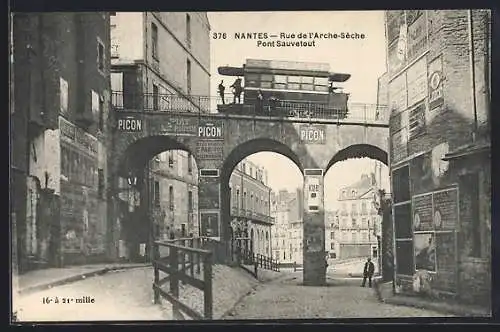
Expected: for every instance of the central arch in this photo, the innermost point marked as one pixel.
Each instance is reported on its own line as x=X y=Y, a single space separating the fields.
x=239 y=153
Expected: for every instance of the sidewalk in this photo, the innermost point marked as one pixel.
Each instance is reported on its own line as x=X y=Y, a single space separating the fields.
x=385 y=295
x=37 y=280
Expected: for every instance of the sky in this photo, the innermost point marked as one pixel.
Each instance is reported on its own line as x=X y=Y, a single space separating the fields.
x=364 y=59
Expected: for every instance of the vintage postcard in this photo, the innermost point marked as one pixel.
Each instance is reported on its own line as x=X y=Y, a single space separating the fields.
x=250 y=165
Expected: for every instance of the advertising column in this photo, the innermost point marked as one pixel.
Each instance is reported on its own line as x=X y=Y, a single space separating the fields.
x=314 y=228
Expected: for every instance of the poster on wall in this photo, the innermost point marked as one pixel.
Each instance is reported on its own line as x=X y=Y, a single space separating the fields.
x=417 y=33
x=209 y=223
x=446 y=260
x=425 y=252
x=398 y=93
x=445 y=204
x=208 y=193
x=435 y=78
x=422 y=213
x=421 y=174
x=416 y=77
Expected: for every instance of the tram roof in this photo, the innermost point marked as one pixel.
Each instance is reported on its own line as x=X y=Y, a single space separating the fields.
x=282 y=70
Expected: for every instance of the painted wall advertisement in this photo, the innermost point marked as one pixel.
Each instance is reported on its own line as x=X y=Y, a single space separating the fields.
x=398 y=93
x=83 y=226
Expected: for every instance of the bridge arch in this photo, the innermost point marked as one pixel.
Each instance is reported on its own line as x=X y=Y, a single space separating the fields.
x=236 y=155
x=358 y=151
x=137 y=153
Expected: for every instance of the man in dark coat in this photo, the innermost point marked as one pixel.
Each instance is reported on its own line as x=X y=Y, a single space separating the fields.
x=237 y=89
x=368 y=272
x=221 y=91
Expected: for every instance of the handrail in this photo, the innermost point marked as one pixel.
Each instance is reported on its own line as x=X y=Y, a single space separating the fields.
x=363 y=112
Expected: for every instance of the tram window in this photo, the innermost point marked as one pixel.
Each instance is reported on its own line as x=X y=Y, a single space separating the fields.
x=281 y=79
x=321 y=81
x=251 y=83
x=266 y=77
x=307 y=87
x=265 y=85
x=293 y=86
x=293 y=79
x=279 y=86
x=307 y=80
x=320 y=88
x=252 y=77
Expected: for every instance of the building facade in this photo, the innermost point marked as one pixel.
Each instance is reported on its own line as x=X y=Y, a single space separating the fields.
x=288 y=229
x=332 y=223
x=438 y=88
x=160 y=61
x=359 y=222
x=60 y=131
x=251 y=220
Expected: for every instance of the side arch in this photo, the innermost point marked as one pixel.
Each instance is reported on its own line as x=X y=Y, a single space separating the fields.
x=136 y=155
x=358 y=151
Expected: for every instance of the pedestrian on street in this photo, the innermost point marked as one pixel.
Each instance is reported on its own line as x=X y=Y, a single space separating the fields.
x=368 y=272
x=221 y=91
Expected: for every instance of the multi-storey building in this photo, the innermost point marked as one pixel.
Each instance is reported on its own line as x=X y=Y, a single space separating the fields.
x=332 y=245
x=288 y=229
x=438 y=87
x=61 y=67
x=359 y=222
x=251 y=219
x=161 y=62
x=175 y=195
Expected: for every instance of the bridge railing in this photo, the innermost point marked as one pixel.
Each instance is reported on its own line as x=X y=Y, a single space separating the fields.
x=148 y=102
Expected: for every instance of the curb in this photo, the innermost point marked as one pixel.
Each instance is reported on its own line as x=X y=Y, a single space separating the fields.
x=463 y=311
x=78 y=277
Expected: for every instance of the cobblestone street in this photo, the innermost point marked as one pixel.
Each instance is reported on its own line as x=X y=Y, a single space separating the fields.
x=285 y=298
x=128 y=295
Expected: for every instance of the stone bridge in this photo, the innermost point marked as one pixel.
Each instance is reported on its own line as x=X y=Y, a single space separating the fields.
x=218 y=142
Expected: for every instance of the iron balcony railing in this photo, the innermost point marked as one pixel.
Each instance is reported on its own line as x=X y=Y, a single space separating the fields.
x=247 y=213
x=149 y=102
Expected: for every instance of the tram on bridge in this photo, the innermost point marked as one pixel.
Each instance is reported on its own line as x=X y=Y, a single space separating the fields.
x=287 y=89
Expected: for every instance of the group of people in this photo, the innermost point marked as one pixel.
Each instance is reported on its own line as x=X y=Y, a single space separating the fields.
x=237 y=90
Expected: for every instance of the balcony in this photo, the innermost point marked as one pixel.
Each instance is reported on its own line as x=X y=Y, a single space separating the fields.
x=252 y=215
x=149 y=102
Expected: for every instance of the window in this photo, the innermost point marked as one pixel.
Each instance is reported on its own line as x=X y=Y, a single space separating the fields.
x=100 y=183
x=154 y=40
x=190 y=165
x=190 y=201
x=171 y=198
x=183 y=230
x=188 y=30
x=157 y=193
x=364 y=210
x=100 y=56
x=188 y=76
x=365 y=236
x=364 y=223
x=238 y=198
x=332 y=235
x=171 y=159
x=332 y=246
x=354 y=237
x=101 y=113
x=156 y=97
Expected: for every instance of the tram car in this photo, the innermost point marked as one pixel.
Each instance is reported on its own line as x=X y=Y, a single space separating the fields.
x=285 y=88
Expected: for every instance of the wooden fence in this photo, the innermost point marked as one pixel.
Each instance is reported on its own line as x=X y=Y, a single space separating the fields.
x=257 y=260
x=179 y=259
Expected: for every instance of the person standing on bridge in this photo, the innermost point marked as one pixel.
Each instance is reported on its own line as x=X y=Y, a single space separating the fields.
x=368 y=272
x=237 y=89
x=260 y=102
x=221 y=91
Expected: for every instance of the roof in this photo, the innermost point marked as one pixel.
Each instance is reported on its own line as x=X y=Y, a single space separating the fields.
x=469 y=149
